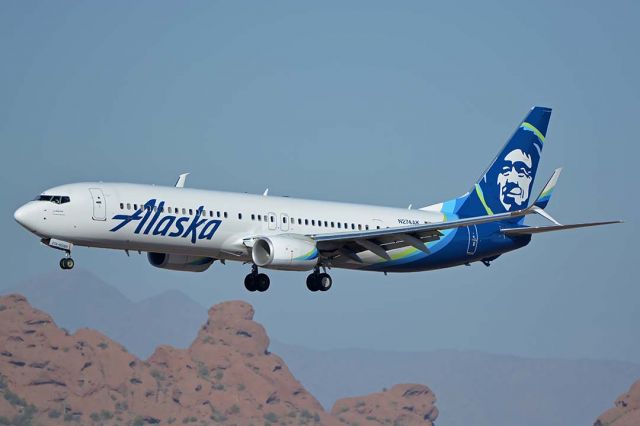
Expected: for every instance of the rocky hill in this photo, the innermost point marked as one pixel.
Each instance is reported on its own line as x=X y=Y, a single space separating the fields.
x=227 y=376
x=626 y=411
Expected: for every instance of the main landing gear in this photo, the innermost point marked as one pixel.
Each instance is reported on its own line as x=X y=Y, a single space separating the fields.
x=318 y=281
x=255 y=281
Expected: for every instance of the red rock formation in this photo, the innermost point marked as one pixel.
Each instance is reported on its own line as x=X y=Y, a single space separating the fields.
x=227 y=375
x=626 y=411
x=402 y=404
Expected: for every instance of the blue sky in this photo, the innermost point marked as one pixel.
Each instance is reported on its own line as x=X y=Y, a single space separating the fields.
x=370 y=102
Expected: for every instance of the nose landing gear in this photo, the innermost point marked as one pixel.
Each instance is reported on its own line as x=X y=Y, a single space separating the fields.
x=255 y=281
x=66 y=263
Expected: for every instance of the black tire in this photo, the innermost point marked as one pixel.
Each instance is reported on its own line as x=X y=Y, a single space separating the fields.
x=312 y=282
x=324 y=282
x=250 y=282
x=69 y=263
x=63 y=264
x=262 y=282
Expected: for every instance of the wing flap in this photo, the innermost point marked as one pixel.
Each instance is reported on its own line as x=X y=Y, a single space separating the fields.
x=541 y=229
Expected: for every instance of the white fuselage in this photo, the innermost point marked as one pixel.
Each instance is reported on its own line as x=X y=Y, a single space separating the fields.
x=91 y=214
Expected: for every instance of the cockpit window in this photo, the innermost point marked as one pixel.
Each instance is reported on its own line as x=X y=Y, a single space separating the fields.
x=57 y=199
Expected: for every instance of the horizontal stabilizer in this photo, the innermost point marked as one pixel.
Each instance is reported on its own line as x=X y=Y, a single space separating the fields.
x=539 y=229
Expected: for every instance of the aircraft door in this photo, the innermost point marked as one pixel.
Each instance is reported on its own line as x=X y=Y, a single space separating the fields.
x=473 y=240
x=99 y=204
x=284 y=222
x=273 y=221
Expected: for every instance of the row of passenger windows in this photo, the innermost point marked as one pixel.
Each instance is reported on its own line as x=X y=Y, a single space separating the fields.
x=254 y=217
x=175 y=210
x=312 y=222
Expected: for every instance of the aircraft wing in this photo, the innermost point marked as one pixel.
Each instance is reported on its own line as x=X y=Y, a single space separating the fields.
x=379 y=241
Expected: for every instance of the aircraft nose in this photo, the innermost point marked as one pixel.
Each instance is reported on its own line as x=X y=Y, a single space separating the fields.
x=26 y=216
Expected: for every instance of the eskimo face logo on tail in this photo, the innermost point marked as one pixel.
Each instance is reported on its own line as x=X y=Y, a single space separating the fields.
x=148 y=221
x=514 y=179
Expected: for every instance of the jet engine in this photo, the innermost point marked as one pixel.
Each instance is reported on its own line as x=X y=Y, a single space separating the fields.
x=180 y=262
x=287 y=252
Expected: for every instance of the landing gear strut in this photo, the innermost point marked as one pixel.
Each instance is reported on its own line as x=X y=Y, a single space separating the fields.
x=318 y=281
x=255 y=281
x=67 y=262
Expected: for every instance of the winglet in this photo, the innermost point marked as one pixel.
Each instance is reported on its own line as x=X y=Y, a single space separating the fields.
x=181 y=180
x=547 y=191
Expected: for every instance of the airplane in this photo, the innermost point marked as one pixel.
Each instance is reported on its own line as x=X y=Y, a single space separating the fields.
x=186 y=229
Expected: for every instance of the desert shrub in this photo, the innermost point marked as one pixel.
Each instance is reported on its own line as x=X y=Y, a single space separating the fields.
x=3 y=384
x=343 y=409
x=235 y=409
x=360 y=404
x=219 y=374
x=241 y=387
x=14 y=399
x=54 y=414
x=95 y=417
x=122 y=406
x=218 y=386
x=103 y=345
x=106 y=414
x=217 y=416
x=157 y=374
x=271 y=417
x=138 y=421
x=203 y=370
x=26 y=418
x=306 y=414
x=4 y=420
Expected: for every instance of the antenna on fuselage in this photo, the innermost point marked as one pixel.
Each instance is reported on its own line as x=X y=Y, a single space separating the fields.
x=181 y=180
x=266 y=192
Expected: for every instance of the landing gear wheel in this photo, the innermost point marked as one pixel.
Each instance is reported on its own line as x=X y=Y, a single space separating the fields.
x=324 y=282
x=262 y=282
x=312 y=282
x=250 y=282
x=67 y=263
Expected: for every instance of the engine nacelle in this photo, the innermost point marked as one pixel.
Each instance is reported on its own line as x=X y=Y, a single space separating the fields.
x=180 y=262
x=288 y=252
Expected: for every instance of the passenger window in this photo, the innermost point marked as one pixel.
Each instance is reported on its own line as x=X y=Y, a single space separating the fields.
x=299 y=221
x=135 y=207
x=253 y=216
x=226 y=215
x=359 y=227
x=190 y=212
x=128 y=206
x=218 y=214
x=366 y=227
x=272 y=218
x=313 y=222
x=121 y=206
x=353 y=226
x=378 y=227
x=306 y=222
x=240 y=216
x=339 y=225
x=284 y=219
x=184 y=211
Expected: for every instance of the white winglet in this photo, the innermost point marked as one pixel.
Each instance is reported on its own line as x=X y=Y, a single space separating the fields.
x=181 y=180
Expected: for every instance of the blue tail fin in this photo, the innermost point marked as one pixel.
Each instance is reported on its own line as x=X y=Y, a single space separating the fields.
x=507 y=183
